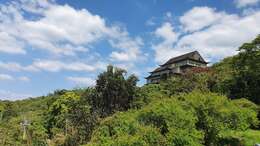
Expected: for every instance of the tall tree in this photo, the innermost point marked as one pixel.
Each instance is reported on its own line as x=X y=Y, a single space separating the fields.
x=247 y=79
x=114 y=90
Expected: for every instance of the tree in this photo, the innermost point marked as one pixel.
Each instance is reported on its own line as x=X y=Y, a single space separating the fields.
x=224 y=75
x=164 y=122
x=114 y=91
x=216 y=114
x=8 y=111
x=60 y=109
x=194 y=79
x=70 y=120
x=1 y=111
x=247 y=79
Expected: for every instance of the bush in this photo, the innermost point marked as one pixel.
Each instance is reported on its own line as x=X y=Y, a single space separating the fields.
x=217 y=113
x=122 y=129
x=146 y=94
x=240 y=138
x=187 y=119
x=162 y=122
x=189 y=81
x=175 y=123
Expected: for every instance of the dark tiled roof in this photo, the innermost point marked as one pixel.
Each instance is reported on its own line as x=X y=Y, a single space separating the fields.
x=152 y=76
x=160 y=69
x=180 y=58
x=184 y=57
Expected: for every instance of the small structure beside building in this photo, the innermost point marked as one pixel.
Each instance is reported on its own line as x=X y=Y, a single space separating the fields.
x=176 y=66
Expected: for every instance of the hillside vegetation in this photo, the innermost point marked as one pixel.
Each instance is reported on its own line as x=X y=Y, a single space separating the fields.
x=216 y=106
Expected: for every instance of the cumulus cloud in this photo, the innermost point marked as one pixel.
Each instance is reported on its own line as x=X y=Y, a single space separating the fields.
x=166 y=32
x=10 y=95
x=169 y=37
x=14 y=66
x=9 y=44
x=129 y=49
x=151 y=21
x=214 y=39
x=24 y=78
x=6 y=77
x=198 y=18
x=59 y=29
x=245 y=3
x=56 y=66
x=82 y=81
x=52 y=66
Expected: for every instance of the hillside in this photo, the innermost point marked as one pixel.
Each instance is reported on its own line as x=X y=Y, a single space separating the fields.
x=215 y=106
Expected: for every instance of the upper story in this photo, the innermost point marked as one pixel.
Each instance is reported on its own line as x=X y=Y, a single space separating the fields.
x=177 y=65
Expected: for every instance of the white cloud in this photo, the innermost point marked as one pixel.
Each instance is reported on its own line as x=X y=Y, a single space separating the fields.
x=36 y=6
x=219 y=39
x=24 y=78
x=166 y=32
x=169 y=37
x=245 y=3
x=198 y=18
x=59 y=29
x=82 y=81
x=6 y=77
x=120 y=56
x=52 y=66
x=9 y=44
x=150 y=22
x=9 y=95
x=129 y=49
x=168 y=14
x=14 y=66
x=56 y=66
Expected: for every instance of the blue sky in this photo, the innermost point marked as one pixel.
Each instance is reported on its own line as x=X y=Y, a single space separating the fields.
x=63 y=44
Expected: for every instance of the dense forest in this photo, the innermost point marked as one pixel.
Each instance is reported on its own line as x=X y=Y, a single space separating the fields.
x=216 y=106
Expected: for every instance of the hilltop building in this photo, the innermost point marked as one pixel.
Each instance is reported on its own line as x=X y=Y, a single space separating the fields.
x=176 y=66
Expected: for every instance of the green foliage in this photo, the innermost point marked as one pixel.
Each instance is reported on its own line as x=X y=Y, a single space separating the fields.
x=8 y=111
x=124 y=129
x=60 y=109
x=243 y=138
x=217 y=113
x=173 y=121
x=114 y=91
x=187 y=119
x=248 y=77
x=239 y=76
x=69 y=120
x=11 y=130
x=146 y=94
x=224 y=75
x=162 y=122
x=244 y=103
x=188 y=82
x=180 y=111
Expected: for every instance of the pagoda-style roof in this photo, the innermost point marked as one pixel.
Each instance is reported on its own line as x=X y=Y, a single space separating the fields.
x=161 y=68
x=191 y=56
x=152 y=76
x=195 y=56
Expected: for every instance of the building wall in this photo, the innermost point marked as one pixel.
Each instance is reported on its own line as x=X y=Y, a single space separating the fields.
x=179 y=67
x=195 y=63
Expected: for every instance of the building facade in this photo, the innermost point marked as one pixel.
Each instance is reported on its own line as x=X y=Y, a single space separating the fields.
x=176 y=66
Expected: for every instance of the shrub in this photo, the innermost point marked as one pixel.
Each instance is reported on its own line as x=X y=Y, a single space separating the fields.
x=162 y=122
x=217 y=113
